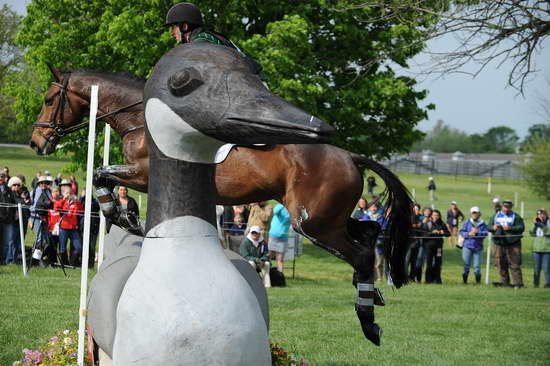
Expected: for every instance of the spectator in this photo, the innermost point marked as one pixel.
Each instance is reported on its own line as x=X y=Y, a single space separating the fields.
x=27 y=201
x=14 y=247
x=41 y=203
x=7 y=171
x=57 y=181
x=496 y=204
x=379 y=262
x=236 y=233
x=415 y=244
x=361 y=213
x=473 y=232
x=74 y=184
x=278 y=234
x=126 y=202
x=424 y=218
x=434 y=229
x=34 y=182
x=7 y=218
x=507 y=227
x=53 y=226
x=70 y=209
x=260 y=215
x=541 y=248
x=454 y=216
x=371 y=183
x=431 y=188
x=376 y=199
x=229 y=214
x=254 y=250
x=94 y=227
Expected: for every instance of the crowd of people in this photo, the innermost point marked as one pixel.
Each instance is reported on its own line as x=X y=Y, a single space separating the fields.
x=467 y=234
x=259 y=232
x=54 y=211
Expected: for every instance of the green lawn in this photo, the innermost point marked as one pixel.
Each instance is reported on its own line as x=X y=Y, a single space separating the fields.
x=449 y=324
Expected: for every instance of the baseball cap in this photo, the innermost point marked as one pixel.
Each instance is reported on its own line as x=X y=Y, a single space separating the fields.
x=507 y=203
x=496 y=200
x=453 y=202
x=255 y=229
x=474 y=209
x=2 y=173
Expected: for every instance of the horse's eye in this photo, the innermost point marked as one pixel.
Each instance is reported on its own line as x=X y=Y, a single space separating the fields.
x=184 y=81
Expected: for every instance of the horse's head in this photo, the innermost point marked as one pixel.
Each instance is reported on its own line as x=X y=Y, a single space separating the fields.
x=62 y=109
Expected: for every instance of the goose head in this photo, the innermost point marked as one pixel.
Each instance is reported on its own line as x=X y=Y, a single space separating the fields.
x=201 y=96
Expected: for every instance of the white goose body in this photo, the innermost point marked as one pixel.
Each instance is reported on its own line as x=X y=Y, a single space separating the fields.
x=185 y=304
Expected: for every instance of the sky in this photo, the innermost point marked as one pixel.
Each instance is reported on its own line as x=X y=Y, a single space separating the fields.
x=470 y=104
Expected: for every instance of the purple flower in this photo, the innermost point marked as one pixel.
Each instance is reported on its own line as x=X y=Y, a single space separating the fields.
x=73 y=354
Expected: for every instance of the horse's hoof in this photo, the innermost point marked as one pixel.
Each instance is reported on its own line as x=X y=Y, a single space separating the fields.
x=372 y=332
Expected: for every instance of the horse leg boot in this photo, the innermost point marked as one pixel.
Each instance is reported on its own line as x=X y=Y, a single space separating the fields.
x=366 y=294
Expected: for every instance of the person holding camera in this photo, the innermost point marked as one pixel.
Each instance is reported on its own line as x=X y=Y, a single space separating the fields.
x=434 y=229
x=541 y=248
x=474 y=232
x=254 y=250
x=507 y=228
x=70 y=209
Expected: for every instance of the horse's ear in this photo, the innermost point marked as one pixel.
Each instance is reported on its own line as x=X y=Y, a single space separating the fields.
x=56 y=74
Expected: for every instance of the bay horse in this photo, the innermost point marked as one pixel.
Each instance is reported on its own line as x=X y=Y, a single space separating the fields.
x=318 y=184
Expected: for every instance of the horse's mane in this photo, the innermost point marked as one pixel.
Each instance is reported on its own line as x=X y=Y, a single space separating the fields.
x=120 y=76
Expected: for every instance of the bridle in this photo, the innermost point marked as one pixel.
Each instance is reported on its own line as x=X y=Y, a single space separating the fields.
x=56 y=123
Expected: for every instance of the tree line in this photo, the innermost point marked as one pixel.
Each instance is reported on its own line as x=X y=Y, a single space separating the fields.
x=499 y=139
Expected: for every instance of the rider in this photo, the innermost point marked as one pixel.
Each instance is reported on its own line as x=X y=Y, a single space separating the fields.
x=187 y=26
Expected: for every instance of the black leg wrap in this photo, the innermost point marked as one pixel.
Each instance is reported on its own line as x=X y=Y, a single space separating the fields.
x=371 y=330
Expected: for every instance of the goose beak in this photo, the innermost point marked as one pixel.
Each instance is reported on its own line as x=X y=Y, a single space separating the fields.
x=272 y=120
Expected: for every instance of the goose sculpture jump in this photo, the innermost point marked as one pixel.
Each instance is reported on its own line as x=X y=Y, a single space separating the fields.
x=185 y=304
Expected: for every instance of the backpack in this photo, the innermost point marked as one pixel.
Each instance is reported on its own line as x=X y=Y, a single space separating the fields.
x=277 y=278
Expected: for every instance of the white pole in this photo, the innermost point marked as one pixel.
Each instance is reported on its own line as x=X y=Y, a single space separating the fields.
x=489 y=185
x=488 y=265
x=522 y=210
x=516 y=198
x=87 y=212
x=414 y=193
x=102 y=222
x=22 y=237
x=139 y=201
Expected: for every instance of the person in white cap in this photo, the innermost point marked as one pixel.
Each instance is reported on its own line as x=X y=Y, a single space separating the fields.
x=254 y=250
x=473 y=233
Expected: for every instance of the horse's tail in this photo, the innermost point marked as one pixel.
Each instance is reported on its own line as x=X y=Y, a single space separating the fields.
x=398 y=211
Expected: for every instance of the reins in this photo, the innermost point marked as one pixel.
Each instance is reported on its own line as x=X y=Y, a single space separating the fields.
x=57 y=124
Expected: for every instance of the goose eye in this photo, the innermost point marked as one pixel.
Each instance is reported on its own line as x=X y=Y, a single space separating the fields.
x=184 y=81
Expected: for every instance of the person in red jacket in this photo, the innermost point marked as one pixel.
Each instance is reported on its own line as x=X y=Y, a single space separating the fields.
x=53 y=225
x=70 y=209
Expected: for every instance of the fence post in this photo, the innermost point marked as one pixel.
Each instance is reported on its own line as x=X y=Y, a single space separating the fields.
x=516 y=198
x=522 y=210
x=489 y=185
x=102 y=221
x=22 y=237
x=488 y=265
x=87 y=221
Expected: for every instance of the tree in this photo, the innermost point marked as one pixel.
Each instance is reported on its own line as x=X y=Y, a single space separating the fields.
x=316 y=56
x=488 y=31
x=535 y=133
x=501 y=139
x=443 y=138
x=10 y=62
x=537 y=171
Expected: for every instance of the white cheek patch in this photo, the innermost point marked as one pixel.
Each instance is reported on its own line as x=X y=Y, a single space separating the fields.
x=178 y=140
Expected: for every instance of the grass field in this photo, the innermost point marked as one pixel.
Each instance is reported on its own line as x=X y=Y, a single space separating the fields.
x=449 y=324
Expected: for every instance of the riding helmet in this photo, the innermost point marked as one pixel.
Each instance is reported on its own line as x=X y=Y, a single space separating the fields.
x=184 y=13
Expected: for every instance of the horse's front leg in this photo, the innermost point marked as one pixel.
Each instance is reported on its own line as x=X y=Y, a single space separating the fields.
x=105 y=179
x=133 y=176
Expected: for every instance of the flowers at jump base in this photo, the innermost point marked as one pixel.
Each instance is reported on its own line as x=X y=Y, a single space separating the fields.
x=279 y=357
x=59 y=350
